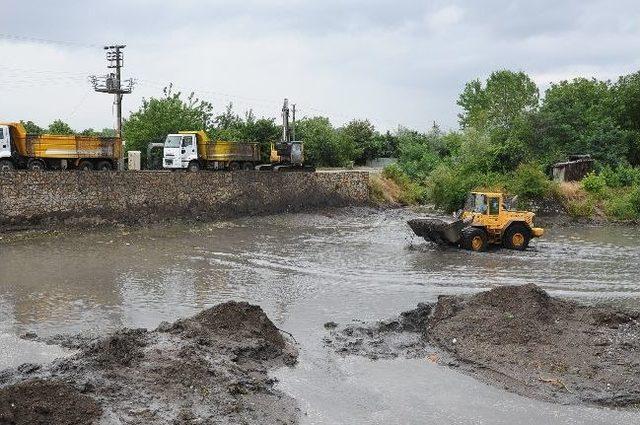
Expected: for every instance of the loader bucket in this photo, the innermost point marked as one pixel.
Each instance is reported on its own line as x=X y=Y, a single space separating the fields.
x=437 y=230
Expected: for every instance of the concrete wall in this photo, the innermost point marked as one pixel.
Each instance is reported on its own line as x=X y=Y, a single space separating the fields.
x=31 y=198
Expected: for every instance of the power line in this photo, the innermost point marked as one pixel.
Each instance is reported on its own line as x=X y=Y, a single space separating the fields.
x=47 y=41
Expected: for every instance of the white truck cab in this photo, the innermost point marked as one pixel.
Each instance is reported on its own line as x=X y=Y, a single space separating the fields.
x=180 y=150
x=5 y=148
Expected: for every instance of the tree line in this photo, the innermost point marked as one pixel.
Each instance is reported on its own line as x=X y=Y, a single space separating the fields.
x=504 y=122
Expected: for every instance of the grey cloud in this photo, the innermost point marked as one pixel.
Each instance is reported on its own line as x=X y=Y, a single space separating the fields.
x=400 y=61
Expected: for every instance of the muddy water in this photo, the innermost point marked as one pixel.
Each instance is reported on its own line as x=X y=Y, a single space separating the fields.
x=304 y=270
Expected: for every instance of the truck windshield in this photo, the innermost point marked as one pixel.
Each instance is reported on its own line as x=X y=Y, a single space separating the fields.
x=172 y=141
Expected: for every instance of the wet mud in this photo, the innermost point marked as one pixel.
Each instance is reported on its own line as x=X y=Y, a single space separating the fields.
x=518 y=338
x=210 y=368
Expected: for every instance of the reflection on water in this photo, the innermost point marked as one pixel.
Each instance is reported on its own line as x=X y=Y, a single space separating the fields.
x=114 y=279
x=303 y=269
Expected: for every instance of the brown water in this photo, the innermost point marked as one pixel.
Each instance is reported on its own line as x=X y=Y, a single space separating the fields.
x=304 y=270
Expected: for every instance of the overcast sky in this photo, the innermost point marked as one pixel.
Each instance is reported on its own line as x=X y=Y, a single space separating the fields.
x=394 y=62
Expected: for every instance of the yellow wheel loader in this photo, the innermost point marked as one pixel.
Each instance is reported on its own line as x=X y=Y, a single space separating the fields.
x=486 y=219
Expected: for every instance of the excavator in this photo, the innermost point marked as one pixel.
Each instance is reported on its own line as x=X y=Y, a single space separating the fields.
x=288 y=153
x=486 y=219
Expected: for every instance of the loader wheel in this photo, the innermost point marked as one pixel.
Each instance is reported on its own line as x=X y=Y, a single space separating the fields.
x=474 y=239
x=6 y=165
x=85 y=166
x=517 y=236
x=37 y=165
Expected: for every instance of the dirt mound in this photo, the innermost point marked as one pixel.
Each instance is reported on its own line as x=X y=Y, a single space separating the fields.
x=210 y=368
x=385 y=339
x=237 y=319
x=507 y=314
x=38 y=402
x=123 y=348
x=243 y=327
x=542 y=346
x=521 y=339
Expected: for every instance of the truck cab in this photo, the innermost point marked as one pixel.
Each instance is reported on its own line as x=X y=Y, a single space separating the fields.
x=180 y=150
x=5 y=149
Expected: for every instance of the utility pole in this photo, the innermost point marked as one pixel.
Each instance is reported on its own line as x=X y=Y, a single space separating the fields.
x=112 y=83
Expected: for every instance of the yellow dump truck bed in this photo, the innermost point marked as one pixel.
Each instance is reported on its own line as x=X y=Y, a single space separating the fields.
x=63 y=147
x=72 y=147
x=229 y=151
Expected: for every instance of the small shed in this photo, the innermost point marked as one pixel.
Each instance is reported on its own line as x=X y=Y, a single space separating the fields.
x=574 y=169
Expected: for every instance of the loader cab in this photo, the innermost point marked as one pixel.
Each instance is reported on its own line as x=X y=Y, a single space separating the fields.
x=5 y=141
x=179 y=150
x=484 y=203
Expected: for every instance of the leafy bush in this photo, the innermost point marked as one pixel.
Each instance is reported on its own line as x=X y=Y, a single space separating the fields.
x=529 y=182
x=594 y=183
x=412 y=192
x=620 y=208
x=580 y=208
x=634 y=200
x=622 y=176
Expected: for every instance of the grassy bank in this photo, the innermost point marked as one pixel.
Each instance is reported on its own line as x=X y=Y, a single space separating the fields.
x=610 y=194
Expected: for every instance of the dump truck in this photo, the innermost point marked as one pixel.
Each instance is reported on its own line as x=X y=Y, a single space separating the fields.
x=486 y=219
x=58 y=152
x=194 y=150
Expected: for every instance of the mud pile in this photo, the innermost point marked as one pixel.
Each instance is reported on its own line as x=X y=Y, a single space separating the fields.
x=521 y=339
x=210 y=368
x=37 y=402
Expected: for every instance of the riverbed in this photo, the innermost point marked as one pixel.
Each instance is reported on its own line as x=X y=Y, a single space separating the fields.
x=304 y=270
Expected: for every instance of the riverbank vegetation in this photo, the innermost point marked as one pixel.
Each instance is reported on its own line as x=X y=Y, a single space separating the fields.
x=509 y=137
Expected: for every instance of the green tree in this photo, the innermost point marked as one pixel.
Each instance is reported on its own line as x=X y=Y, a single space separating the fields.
x=32 y=128
x=108 y=132
x=89 y=132
x=169 y=114
x=578 y=117
x=626 y=92
x=358 y=141
x=60 y=127
x=505 y=96
x=321 y=144
x=263 y=131
x=419 y=153
x=229 y=125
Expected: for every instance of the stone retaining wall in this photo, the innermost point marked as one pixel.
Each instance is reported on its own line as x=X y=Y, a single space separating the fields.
x=30 y=198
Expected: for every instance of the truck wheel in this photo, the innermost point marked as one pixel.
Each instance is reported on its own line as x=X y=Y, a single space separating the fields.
x=247 y=166
x=474 y=239
x=85 y=166
x=234 y=166
x=194 y=166
x=104 y=166
x=6 y=165
x=517 y=236
x=36 y=164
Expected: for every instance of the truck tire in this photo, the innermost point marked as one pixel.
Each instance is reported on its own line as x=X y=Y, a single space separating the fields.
x=193 y=166
x=104 y=166
x=85 y=166
x=6 y=165
x=247 y=166
x=36 y=165
x=234 y=166
x=517 y=236
x=474 y=239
